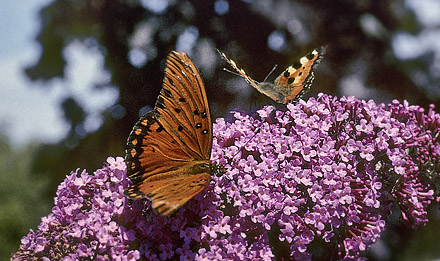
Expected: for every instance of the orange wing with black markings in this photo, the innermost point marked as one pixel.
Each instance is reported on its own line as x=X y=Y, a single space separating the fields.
x=169 y=148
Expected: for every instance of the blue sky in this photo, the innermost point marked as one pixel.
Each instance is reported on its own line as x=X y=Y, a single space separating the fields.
x=31 y=112
x=28 y=110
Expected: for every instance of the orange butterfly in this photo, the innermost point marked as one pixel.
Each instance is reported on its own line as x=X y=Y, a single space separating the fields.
x=291 y=84
x=169 y=148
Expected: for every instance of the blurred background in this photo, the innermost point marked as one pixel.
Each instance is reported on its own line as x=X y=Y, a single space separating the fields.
x=75 y=76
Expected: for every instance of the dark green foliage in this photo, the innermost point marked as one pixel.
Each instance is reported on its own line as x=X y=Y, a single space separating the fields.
x=21 y=196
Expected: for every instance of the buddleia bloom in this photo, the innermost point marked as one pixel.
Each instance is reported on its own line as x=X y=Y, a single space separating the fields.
x=321 y=174
x=325 y=170
x=84 y=221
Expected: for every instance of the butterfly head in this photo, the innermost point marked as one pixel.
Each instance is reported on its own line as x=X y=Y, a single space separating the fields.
x=199 y=166
x=218 y=169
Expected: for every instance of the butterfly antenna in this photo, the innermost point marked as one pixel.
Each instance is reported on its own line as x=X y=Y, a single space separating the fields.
x=237 y=74
x=271 y=71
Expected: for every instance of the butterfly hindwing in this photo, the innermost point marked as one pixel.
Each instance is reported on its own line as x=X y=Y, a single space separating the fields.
x=166 y=194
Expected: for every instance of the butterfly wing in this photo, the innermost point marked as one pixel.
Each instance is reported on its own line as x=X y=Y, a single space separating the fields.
x=150 y=152
x=169 y=148
x=296 y=80
x=169 y=195
x=182 y=107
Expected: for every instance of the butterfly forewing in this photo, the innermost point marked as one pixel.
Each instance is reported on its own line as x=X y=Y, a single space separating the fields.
x=299 y=76
x=238 y=69
x=182 y=106
x=169 y=149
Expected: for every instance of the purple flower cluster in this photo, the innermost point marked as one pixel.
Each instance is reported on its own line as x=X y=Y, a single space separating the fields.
x=324 y=172
x=84 y=221
x=316 y=180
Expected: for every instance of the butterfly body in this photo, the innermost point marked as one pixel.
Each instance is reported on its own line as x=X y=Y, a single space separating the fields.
x=168 y=151
x=278 y=93
x=291 y=84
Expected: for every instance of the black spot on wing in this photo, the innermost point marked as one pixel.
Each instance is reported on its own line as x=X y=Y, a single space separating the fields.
x=310 y=56
x=297 y=65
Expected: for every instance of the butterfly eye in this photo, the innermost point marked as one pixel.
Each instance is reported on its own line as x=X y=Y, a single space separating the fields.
x=198 y=125
x=205 y=131
x=206 y=165
x=204 y=115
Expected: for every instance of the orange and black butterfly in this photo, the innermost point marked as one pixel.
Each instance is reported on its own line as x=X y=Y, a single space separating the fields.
x=169 y=149
x=291 y=84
